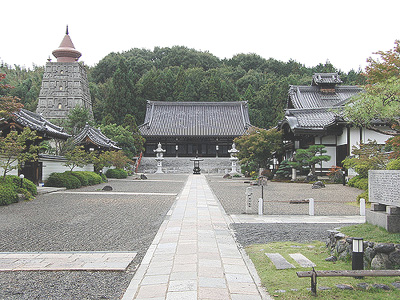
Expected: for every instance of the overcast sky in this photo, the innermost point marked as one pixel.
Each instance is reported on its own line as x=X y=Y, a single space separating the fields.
x=345 y=32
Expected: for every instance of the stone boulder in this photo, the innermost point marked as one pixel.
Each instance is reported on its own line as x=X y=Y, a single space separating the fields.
x=384 y=248
x=394 y=258
x=107 y=188
x=318 y=185
x=380 y=262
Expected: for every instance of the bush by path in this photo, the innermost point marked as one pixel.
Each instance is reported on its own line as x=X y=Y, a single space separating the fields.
x=73 y=180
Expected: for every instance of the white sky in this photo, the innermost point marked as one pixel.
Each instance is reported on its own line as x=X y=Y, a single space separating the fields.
x=346 y=32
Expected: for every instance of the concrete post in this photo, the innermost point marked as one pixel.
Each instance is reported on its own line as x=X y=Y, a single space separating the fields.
x=249 y=193
x=311 y=207
x=362 y=207
x=260 y=206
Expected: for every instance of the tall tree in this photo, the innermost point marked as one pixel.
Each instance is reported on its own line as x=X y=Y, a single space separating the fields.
x=381 y=99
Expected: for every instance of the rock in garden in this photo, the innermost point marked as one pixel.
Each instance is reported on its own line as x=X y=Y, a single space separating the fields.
x=142 y=176
x=227 y=176
x=331 y=258
x=344 y=286
x=107 y=188
x=396 y=285
x=384 y=248
x=324 y=288
x=362 y=285
x=318 y=185
x=380 y=262
x=381 y=286
x=394 y=258
x=369 y=254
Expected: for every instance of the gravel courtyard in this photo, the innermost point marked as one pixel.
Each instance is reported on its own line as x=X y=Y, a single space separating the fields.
x=87 y=219
x=84 y=222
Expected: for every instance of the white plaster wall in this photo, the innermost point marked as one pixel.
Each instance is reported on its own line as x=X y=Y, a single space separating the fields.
x=57 y=165
x=12 y=172
x=373 y=135
x=331 y=151
x=342 y=139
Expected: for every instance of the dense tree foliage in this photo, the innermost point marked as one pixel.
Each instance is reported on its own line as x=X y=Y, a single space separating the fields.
x=309 y=157
x=381 y=99
x=121 y=83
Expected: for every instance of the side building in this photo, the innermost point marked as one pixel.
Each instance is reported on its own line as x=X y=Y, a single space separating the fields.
x=312 y=116
x=187 y=129
x=65 y=84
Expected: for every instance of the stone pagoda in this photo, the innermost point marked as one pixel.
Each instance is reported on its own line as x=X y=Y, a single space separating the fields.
x=65 y=84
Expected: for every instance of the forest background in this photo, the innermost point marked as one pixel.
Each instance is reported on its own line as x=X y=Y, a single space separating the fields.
x=121 y=83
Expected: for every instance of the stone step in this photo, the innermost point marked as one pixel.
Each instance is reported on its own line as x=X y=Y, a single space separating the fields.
x=302 y=260
x=209 y=165
x=281 y=263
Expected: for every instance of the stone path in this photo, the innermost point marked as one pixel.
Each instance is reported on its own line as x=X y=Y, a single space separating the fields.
x=194 y=254
x=65 y=261
x=281 y=263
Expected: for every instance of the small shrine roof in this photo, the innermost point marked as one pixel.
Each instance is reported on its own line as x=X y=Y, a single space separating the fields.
x=92 y=135
x=36 y=122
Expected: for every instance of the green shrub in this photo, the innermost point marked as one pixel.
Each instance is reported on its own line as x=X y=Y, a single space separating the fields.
x=8 y=193
x=83 y=178
x=56 y=180
x=116 y=173
x=359 y=182
x=363 y=195
x=26 y=184
x=63 y=180
x=26 y=193
x=103 y=177
x=93 y=177
x=71 y=182
x=393 y=165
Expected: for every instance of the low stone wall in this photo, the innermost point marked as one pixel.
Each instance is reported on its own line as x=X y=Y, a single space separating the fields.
x=377 y=256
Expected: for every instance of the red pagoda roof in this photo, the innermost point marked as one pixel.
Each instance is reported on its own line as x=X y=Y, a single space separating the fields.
x=66 y=52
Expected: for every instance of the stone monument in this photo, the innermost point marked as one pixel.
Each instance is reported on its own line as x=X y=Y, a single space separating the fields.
x=384 y=191
x=159 y=158
x=233 y=152
x=64 y=84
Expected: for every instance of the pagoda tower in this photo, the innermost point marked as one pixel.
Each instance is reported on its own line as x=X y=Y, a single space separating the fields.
x=65 y=84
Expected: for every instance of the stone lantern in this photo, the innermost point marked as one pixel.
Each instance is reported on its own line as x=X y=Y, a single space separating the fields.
x=159 y=158
x=233 y=152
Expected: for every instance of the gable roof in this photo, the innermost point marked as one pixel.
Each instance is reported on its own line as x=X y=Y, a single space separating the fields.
x=41 y=125
x=315 y=108
x=92 y=135
x=228 y=119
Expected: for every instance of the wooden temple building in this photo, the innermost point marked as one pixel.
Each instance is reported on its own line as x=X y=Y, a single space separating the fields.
x=313 y=116
x=187 y=129
x=45 y=130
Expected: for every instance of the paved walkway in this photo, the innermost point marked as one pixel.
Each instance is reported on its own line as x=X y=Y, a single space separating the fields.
x=65 y=261
x=194 y=254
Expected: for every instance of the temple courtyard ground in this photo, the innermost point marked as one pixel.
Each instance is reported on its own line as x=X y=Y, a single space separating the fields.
x=177 y=233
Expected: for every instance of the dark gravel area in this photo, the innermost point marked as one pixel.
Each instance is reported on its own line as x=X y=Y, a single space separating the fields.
x=332 y=200
x=247 y=234
x=80 y=222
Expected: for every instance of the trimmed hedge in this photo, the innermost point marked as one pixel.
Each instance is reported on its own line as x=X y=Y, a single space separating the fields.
x=393 y=165
x=73 y=180
x=93 y=177
x=83 y=178
x=359 y=182
x=8 y=193
x=26 y=184
x=116 y=173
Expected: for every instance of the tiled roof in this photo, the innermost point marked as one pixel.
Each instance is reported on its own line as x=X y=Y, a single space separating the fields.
x=195 y=119
x=36 y=122
x=326 y=78
x=96 y=137
x=312 y=97
x=319 y=118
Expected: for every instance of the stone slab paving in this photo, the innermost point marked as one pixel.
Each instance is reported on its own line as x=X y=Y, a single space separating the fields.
x=279 y=261
x=194 y=254
x=302 y=260
x=65 y=261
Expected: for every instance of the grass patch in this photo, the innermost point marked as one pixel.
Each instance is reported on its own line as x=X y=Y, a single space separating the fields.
x=371 y=233
x=275 y=280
